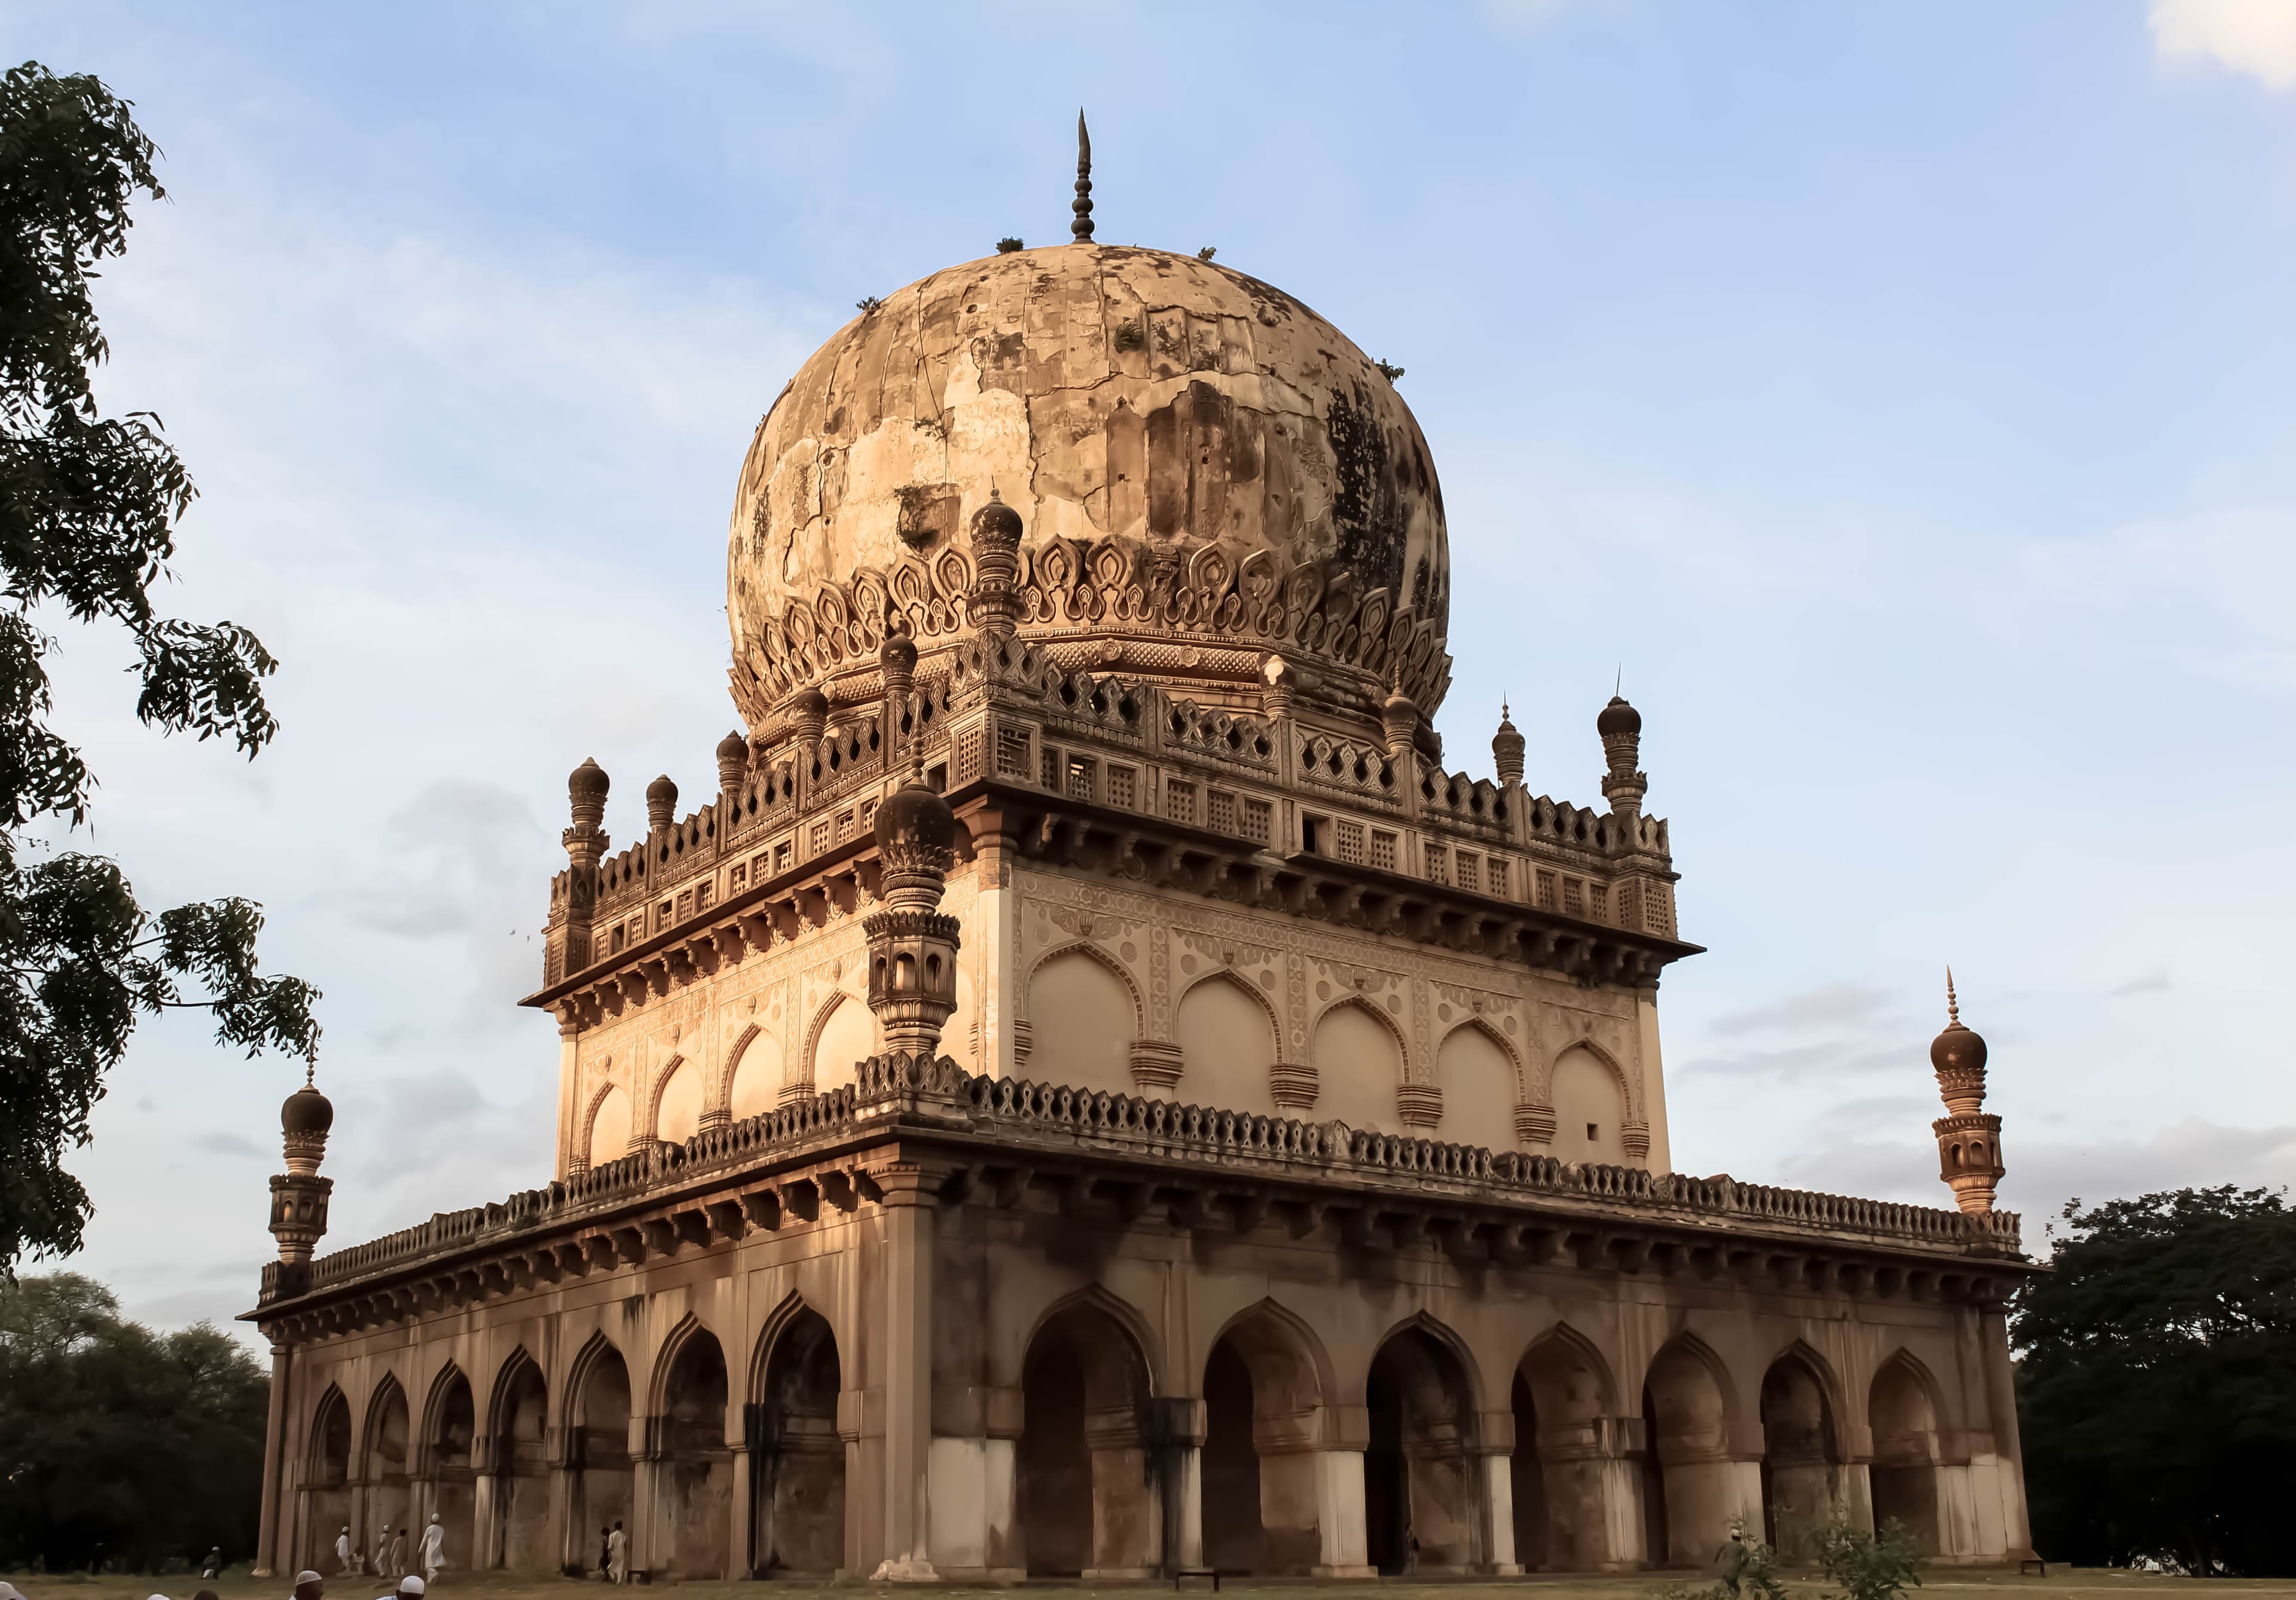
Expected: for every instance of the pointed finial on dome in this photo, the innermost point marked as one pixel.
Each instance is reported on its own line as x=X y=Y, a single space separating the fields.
x=1082 y=227
x=1952 y=1004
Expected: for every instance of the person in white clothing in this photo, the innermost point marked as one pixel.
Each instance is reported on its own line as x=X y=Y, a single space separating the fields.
x=410 y=1587
x=381 y=1548
x=397 y=1568
x=617 y=1565
x=343 y=1550
x=434 y=1549
x=308 y=1585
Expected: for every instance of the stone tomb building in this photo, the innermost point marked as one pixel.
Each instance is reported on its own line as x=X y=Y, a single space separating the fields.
x=1094 y=1093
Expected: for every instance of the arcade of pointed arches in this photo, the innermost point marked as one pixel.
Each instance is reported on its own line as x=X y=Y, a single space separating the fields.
x=1674 y=1437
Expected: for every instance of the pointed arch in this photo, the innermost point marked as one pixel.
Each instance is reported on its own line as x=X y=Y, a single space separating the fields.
x=1445 y=1336
x=1289 y=1325
x=793 y=1308
x=1629 y=1089
x=585 y=1148
x=449 y=1418
x=504 y=1393
x=328 y=1447
x=1482 y=1025
x=1228 y=974
x=1093 y=1297
x=577 y=1375
x=665 y=1360
x=830 y=1010
x=1687 y=1347
x=1797 y=1350
x=1547 y=1364
x=653 y=1092
x=387 y=1389
x=1086 y=947
x=1895 y=1419
x=1378 y=1013
x=720 y=1097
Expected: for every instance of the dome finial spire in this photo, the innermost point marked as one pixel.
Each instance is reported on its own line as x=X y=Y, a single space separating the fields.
x=1952 y=1004
x=1082 y=227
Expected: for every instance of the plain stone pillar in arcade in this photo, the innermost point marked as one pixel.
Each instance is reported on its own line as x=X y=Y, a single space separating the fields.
x=1339 y=1500
x=1489 y=1458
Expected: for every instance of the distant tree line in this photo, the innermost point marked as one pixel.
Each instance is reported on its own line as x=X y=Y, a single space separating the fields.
x=2157 y=1385
x=119 y=1445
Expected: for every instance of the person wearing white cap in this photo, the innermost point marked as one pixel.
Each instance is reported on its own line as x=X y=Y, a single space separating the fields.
x=410 y=1587
x=9 y=1591
x=434 y=1549
x=308 y=1585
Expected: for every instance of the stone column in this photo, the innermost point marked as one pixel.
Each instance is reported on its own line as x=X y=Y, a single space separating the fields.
x=909 y=1190
x=1494 y=1465
x=486 y=1496
x=1339 y=1512
x=2001 y=1400
x=645 y=1497
x=560 y=1532
x=741 y=1547
x=267 y=1560
x=1185 y=1485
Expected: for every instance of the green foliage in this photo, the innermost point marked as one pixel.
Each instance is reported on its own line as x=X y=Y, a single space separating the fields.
x=1007 y=245
x=114 y=1440
x=1868 y=1566
x=1128 y=336
x=868 y=303
x=2157 y=1383
x=88 y=510
x=1389 y=370
x=1744 y=1568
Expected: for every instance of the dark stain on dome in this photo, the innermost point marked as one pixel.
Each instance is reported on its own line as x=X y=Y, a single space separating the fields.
x=1368 y=517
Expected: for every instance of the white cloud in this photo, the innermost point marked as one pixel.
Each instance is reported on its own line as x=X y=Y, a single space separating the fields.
x=2254 y=36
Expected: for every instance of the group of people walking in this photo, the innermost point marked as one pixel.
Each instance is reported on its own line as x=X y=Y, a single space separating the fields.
x=391 y=1554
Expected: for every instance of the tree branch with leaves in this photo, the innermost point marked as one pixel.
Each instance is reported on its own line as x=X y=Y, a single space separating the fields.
x=89 y=509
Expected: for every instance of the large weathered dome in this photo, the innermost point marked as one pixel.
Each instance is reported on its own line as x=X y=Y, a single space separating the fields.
x=1207 y=473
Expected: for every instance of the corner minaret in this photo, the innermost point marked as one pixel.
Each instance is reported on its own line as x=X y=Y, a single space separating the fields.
x=1506 y=748
x=1969 y=1138
x=299 y=1195
x=1620 y=726
x=912 y=942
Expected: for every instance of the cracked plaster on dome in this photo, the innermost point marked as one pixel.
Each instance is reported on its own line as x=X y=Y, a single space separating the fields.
x=1101 y=391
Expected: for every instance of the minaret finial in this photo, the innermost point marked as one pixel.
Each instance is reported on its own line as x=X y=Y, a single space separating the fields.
x=1952 y=1004
x=1082 y=227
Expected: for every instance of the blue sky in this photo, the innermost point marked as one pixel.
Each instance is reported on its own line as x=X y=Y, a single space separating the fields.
x=1901 y=395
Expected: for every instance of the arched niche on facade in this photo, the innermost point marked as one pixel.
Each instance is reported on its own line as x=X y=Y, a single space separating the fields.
x=519 y=1423
x=677 y=1102
x=1481 y=1086
x=697 y=1466
x=597 y=1420
x=607 y=1138
x=844 y=1036
x=754 y=1086
x=1902 y=1406
x=450 y=1439
x=798 y=1457
x=1227 y=1036
x=1420 y=1467
x=1690 y=1490
x=1588 y=1095
x=1090 y=1500
x=1083 y=1017
x=1563 y=1401
x=1358 y=1060
x=1264 y=1389
x=330 y=1467
x=1801 y=1452
x=385 y=1465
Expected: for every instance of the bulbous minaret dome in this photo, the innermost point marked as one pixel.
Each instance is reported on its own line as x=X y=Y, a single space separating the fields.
x=1201 y=473
x=1968 y=1136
